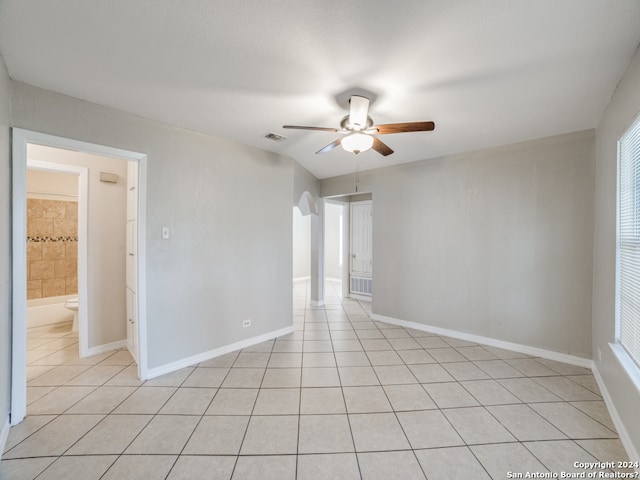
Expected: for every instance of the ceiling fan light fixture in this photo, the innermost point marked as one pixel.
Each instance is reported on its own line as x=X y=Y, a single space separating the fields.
x=357 y=142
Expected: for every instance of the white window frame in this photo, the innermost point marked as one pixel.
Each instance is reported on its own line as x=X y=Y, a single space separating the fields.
x=627 y=347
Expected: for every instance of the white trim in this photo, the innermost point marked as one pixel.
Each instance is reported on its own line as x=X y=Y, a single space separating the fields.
x=19 y=280
x=492 y=342
x=627 y=364
x=107 y=347
x=202 y=357
x=627 y=443
x=362 y=298
x=301 y=279
x=4 y=435
x=317 y=304
x=20 y=139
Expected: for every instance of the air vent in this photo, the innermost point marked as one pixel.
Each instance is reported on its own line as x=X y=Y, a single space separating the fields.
x=361 y=285
x=275 y=137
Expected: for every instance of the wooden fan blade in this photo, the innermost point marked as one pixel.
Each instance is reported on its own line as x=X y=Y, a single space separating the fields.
x=381 y=147
x=405 y=127
x=321 y=129
x=331 y=146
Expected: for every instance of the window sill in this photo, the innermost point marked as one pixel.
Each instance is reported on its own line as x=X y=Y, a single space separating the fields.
x=627 y=363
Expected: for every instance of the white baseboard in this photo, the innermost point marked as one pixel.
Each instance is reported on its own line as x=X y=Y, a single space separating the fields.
x=362 y=298
x=634 y=456
x=317 y=304
x=4 y=434
x=107 y=347
x=492 y=342
x=202 y=357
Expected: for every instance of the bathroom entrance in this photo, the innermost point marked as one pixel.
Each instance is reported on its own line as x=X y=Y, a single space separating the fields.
x=53 y=226
x=81 y=245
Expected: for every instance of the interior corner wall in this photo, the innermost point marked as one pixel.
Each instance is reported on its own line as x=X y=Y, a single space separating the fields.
x=106 y=242
x=5 y=248
x=622 y=109
x=332 y=221
x=304 y=181
x=496 y=243
x=301 y=244
x=228 y=208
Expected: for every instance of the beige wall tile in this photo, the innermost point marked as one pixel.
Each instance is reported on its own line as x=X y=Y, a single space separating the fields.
x=40 y=270
x=71 y=285
x=34 y=251
x=67 y=267
x=53 y=287
x=53 y=250
x=71 y=249
x=65 y=227
x=72 y=209
x=39 y=227
x=34 y=208
x=34 y=289
x=54 y=209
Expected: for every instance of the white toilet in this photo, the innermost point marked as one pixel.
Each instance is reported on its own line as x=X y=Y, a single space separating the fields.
x=72 y=304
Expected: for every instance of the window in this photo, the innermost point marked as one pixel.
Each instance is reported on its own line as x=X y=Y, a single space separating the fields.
x=628 y=238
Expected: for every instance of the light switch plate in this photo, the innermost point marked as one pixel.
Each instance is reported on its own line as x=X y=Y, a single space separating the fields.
x=165 y=233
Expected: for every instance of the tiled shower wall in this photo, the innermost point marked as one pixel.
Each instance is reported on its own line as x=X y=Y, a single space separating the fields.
x=52 y=248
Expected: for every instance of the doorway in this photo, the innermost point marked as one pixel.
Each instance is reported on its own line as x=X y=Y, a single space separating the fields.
x=56 y=200
x=348 y=244
x=22 y=140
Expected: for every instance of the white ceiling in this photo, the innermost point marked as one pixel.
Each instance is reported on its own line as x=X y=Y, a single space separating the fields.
x=488 y=72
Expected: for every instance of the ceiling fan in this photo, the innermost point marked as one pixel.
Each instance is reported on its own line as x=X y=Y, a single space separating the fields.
x=360 y=132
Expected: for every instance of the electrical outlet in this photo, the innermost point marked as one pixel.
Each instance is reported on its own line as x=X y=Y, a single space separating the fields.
x=246 y=323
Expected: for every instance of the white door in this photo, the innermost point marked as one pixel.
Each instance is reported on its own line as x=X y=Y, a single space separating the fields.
x=361 y=241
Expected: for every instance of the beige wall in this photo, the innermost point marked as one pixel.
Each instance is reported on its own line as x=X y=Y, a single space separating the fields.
x=496 y=243
x=5 y=243
x=106 y=205
x=229 y=210
x=623 y=108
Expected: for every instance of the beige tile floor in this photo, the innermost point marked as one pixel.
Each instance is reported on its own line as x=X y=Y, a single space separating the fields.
x=341 y=397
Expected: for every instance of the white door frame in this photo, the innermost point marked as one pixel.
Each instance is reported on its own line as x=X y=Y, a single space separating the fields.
x=83 y=188
x=346 y=239
x=19 y=255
